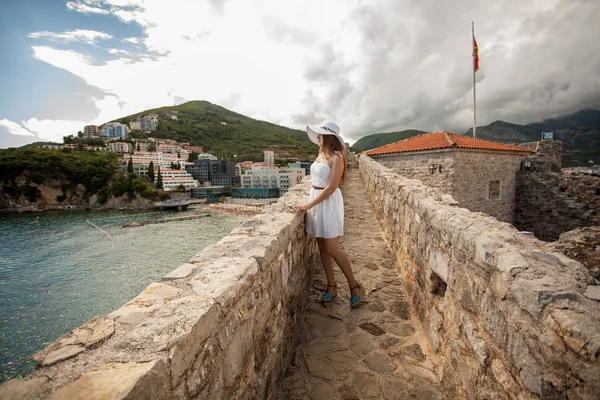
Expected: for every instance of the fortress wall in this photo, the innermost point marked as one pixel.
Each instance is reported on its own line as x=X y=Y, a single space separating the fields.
x=505 y=316
x=221 y=326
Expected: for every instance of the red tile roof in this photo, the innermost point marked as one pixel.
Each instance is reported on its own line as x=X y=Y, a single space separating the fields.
x=442 y=140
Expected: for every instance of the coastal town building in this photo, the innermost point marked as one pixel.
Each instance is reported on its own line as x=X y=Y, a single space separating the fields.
x=218 y=173
x=270 y=158
x=113 y=129
x=90 y=131
x=120 y=147
x=479 y=174
x=197 y=149
x=289 y=177
x=135 y=125
x=206 y=156
x=141 y=161
x=301 y=164
x=149 y=122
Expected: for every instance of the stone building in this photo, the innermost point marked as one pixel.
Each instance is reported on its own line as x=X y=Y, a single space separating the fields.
x=479 y=174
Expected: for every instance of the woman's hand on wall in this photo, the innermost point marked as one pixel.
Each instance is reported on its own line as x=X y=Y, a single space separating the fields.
x=304 y=207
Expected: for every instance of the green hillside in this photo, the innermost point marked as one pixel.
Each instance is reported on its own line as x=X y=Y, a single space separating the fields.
x=380 y=139
x=200 y=124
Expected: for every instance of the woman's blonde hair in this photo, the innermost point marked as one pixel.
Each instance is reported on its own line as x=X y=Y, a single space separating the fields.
x=335 y=145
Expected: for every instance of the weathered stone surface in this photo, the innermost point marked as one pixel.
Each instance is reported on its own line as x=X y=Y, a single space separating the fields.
x=22 y=389
x=511 y=261
x=498 y=285
x=534 y=294
x=395 y=388
x=477 y=344
x=362 y=343
x=323 y=390
x=592 y=292
x=421 y=373
x=366 y=384
x=504 y=377
x=325 y=327
x=89 y=334
x=485 y=248
x=378 y=362
x=139 y=309
x=529 y=368
x=329 y=359
x=184 y=348
x=224 y=279
x=125 y=381
x=183 y=271
x=579 y=331
x=237 y=355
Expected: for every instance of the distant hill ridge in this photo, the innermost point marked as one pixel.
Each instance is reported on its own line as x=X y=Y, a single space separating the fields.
x=225 y=133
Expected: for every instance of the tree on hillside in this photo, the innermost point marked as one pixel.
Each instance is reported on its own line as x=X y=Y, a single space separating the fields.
x=130 y=165
x=138 y=147
x=159 y=182
x=151 y=171
x=152 y=147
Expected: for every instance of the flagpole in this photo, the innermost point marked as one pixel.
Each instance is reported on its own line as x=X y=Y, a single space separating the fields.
x=474 y=102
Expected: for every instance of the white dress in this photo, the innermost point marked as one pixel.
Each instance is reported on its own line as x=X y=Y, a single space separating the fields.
x=326 y=219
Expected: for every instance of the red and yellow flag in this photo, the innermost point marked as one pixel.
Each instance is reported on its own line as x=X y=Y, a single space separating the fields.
x=475 y=55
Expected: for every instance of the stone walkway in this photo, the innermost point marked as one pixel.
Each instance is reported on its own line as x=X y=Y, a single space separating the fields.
x=377 y=351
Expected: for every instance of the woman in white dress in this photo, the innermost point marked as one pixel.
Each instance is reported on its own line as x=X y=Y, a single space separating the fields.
x=325 y=209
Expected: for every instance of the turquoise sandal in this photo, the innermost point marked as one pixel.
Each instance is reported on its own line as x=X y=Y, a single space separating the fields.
x=355 y=301
x=327 y=297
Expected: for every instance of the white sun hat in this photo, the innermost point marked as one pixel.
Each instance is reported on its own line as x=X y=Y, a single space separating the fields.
x=329 y=128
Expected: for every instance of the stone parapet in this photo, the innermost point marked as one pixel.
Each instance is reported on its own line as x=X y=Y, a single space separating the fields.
x=220 y=326
x=505 y=316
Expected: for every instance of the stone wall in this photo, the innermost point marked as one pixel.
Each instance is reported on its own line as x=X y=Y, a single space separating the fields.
x=547 y=155
x=416 y=166
x=550 y=202
x=466 y=175
x=546 y=211
x=505 y=316
x=471 y=185
x=221 y=326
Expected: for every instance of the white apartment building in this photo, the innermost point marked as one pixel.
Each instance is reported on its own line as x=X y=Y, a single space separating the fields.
x=260 y=177
x=172 y=179
x=141 y=161
x=120 y=147
x=270 y=158
x=289 y=177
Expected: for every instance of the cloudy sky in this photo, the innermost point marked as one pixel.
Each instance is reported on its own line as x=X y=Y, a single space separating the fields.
x=370 y=65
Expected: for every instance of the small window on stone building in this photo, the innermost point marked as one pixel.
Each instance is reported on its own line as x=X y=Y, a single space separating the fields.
x=494 y=193
x=597 y=191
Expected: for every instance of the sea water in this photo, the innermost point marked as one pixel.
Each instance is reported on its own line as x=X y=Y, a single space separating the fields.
x=60 y=272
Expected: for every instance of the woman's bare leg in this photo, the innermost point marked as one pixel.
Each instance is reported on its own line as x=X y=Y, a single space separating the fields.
x=327 y=262
x=332 y=246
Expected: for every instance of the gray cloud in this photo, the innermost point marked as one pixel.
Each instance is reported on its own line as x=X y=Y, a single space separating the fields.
x=415 y=65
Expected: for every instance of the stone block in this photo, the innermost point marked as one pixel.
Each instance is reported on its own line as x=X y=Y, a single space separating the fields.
x=237 y=356
x=478 y=345
x=184 y=348
x=440 y=263
x=183 y=271
x=504 y=378
x=225 y=279
x=581 y=332
x=138 y=310
x=511 y=261
x=529 y=368
x=207 y=366
x=89 y=334
x=498 y=285
x=485 y=248
x=127 y=381
x=493 y=320
x=23 y=389
x=534 y=294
